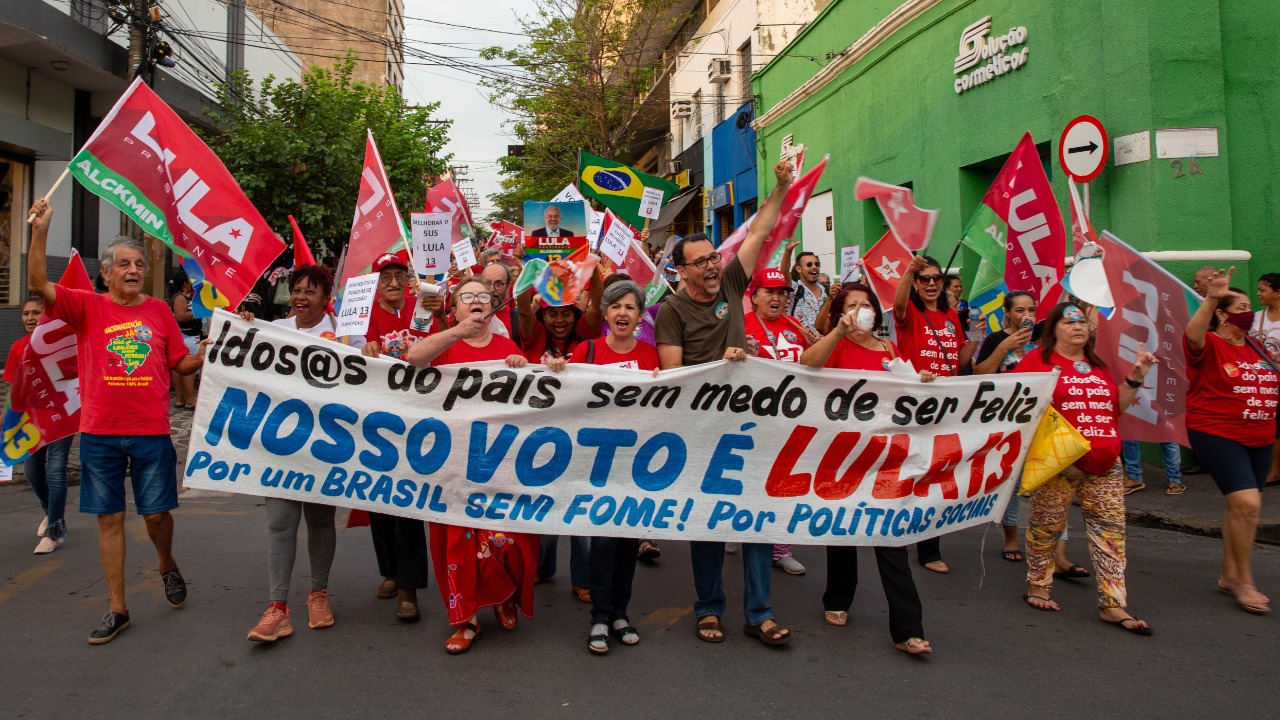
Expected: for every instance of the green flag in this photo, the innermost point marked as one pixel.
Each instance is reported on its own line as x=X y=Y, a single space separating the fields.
x=618 y=187
x=985 y=236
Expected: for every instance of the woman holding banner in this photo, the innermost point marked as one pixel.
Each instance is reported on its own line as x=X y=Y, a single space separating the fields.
x=1089 y=399
x=476 y=568
x=931 y=338
x=851 y=345
x=1231 y=422
x=613 y=560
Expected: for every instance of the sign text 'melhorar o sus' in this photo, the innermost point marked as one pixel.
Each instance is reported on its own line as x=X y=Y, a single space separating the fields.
x=752 y=452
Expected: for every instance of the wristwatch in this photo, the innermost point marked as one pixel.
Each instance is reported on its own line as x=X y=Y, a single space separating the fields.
x=1135 y=384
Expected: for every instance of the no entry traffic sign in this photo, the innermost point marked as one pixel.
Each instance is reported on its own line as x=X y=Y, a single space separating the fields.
x=1083 y=148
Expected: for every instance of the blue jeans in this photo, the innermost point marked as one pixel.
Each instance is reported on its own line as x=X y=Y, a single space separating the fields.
x=1131 y=453
x=46 y=470
x=757 y=570
x=579 y=559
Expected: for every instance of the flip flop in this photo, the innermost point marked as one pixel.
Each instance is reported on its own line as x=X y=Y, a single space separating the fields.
x=839 y=618
x=1130 y=489
x=649 y=552
x=915 y=646
x=1075 y=571
x=1175 y=489
x=710 y=623
x=1013 y=556
x=1028 y=597
x=1142 y=630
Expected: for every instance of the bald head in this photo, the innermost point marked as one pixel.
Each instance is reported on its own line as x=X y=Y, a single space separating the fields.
x=1200 y=282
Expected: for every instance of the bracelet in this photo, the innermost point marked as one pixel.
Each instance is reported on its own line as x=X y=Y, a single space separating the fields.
x=1135 y=384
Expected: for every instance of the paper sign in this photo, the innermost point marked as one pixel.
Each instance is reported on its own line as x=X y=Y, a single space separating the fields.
x=6 y=472
x=464 y=253
x=849 y=262
x=650 y=203
x=357 y=303
x=615 y=238
x=594 y=221
x=432 y=233
x=568 y=194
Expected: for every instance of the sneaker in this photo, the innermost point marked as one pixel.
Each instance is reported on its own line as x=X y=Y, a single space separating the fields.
x=273 y=625
x=789 y=565
x=319 y=615
x=47 y=545
x=112 y=624
x=175 y=588
x=44 y=525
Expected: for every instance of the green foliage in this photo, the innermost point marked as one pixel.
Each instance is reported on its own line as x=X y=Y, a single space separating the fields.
x=582 y=82
x=297 y=148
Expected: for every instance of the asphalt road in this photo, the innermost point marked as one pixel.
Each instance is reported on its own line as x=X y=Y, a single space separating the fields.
x=994 y=657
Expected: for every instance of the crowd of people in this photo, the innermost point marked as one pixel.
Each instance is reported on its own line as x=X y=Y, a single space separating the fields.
x=791 y=313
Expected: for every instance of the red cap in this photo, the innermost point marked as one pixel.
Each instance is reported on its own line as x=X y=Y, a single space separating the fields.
x=773 y=278
x=388 y=259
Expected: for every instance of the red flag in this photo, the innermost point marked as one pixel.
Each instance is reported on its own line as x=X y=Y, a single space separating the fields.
x=1153 y=308
x=443 y=197
x=44 y=403
x=1081 y=229
x=146 y=161
x=376 y=228
x=912 y=226
x=301 y=252
x=885 y=263
x=793 y=204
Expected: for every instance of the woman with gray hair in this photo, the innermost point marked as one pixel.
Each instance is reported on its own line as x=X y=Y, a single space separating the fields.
x=613 y=560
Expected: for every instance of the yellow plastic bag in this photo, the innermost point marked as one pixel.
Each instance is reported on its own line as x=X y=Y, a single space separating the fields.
x=1056 y=445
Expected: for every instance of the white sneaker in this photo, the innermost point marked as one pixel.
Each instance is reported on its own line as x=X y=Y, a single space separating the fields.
x=46 y=546
x=789 y=565
x=44 y=525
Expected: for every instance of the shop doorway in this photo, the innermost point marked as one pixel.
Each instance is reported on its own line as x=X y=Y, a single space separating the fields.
x=14 y=178
x=818 y=231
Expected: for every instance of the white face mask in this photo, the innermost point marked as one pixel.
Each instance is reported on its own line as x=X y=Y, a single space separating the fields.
x=865 y=319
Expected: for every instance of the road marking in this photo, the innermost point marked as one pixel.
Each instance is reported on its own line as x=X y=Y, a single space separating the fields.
x=28 y=578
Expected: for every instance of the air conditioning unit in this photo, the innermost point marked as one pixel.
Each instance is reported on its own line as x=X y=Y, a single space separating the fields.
x=681 y=109
x=674 y=166
x=719 y=70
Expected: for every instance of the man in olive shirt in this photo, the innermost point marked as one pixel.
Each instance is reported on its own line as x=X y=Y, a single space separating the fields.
x=702 y=323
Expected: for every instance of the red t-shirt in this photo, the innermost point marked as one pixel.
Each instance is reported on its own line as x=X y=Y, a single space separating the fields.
x=463 y=353
x=534 y=347
x=849 y=355
x=15 y=357
x=1095 y=412
x=394 y=331
x=1231 y=392
x=642 y=357
x=930 y=340
x=125 y=355
x=779 y=339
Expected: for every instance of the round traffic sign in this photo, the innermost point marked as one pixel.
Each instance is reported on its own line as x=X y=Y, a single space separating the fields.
x=1083 y=148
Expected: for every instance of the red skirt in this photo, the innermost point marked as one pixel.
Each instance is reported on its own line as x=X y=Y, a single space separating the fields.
x=476 y=569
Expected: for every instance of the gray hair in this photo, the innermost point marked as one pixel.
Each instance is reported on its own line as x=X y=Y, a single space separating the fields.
x=108 y=254
x=621 y=289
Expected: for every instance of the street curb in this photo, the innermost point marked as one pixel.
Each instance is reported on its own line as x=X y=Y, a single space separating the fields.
x=1268 y=532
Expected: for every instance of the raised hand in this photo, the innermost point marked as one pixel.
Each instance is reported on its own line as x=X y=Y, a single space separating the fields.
x=1219 y=285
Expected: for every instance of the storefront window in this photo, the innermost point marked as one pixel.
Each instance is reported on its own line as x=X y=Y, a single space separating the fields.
x=13 y=207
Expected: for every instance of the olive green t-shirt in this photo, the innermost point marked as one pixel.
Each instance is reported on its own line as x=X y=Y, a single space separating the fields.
x=706 y=329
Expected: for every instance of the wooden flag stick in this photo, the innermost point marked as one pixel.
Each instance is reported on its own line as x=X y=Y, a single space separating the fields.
x=32 y=217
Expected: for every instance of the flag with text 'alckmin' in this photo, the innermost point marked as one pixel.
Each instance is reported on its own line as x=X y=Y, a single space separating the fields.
x=144 y=160
x=619 y=187
x=44 y=398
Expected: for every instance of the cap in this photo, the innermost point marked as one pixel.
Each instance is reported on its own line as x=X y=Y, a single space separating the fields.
x=773 y=278
x=388 y=259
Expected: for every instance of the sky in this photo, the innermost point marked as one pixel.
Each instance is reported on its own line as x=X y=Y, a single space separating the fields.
x=477 y=137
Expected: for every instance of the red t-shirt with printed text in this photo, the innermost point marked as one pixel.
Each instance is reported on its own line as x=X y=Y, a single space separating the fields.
x=534 y=347
x=15 y=357
x=849 y=355
x=642 y=357
x=125 y=355
x=931 y=339
x=463 y=353
x=1094 y=410
x=1232 y=393
x=394 y=331
x=779 y=339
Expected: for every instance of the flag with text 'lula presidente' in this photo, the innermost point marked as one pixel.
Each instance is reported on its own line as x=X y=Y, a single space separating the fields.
x=146 y=161
x=618 y=187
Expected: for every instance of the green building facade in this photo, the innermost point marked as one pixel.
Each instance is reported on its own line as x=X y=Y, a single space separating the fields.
x=876 y=84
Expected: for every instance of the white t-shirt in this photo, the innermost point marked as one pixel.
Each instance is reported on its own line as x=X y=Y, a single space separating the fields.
x=1267 y=332
x=323 y=329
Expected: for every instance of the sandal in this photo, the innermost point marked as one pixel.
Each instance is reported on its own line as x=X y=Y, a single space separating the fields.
x=459 y=641
x=1046 y=603
x=1013 y=555
x=709 y=629
x=1075 y=571
x=776 y=635
x=1260 y=605
x=1130 y=489
x=584 y=594
x=648 y=551
x=598 y=641
x=839 y=618
x=625 y=632
x=1175 y=489
x=1123 y=623
x=506 y=614
x=915 y=646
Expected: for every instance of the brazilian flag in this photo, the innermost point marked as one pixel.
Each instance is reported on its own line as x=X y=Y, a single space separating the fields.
x=618 y=187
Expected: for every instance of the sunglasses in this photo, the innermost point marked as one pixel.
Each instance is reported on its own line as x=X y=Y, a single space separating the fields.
x=929 y=279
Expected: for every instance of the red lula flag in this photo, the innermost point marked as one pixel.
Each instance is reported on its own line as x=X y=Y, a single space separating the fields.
x=1036 y=246
x=146 y=161
x=376 y=228
x=301 y=252
x=793 y=204
x=1081 y=229
x=912 y=226
x=443 y=197
x=885 y=263
x=1152 y=309
x=44 y=402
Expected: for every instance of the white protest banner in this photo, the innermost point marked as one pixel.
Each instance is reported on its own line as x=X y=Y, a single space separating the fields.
x=568 y=194
x=615 y=238
x=752 y=451
x=464 y=254
x=650 y=203
x=849 y=262
x=357 y=303
x=595 y=221
x=432 y=233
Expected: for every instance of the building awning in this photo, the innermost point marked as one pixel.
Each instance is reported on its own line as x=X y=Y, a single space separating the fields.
x=660 y=228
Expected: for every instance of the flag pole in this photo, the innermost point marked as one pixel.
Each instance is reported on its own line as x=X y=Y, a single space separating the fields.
x=32 y=217
x=953 y=257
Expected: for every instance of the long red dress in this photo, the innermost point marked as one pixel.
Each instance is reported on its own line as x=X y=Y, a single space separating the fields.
x=476 y=568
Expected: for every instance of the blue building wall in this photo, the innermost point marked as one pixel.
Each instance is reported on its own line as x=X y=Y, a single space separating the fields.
x=732 y=158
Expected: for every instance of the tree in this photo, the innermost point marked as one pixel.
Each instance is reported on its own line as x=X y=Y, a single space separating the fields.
x=581 y=83
x=297 y=148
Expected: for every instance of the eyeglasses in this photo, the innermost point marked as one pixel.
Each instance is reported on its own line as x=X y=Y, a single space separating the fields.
x=400 y=278
x=469 y=297
x=929 y=279
x=498 y=283
x=701 y=263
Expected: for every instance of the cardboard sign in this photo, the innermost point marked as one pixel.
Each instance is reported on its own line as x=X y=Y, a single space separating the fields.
x=849 y=262
x=431 y=240
x=650 y=203
x=464 y=253
x=615 y=238
x=357 y=303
